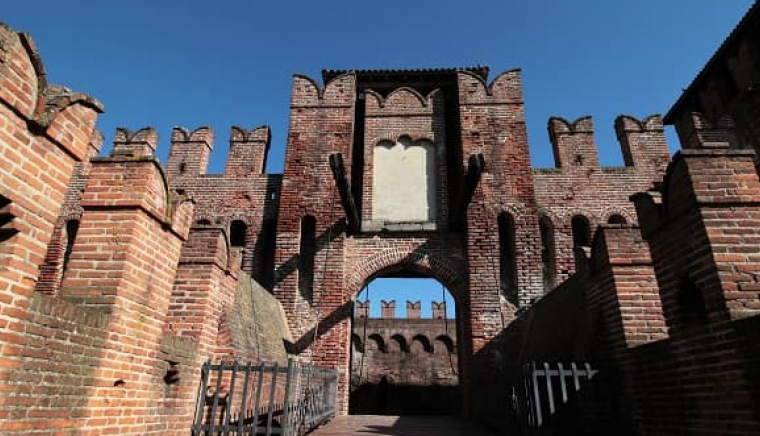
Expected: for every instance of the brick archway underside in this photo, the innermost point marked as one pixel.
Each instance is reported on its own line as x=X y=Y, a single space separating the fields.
x=450 y=274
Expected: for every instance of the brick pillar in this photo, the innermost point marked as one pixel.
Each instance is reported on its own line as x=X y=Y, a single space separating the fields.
x=123 y=263
x=622 y=289
x=200 y=290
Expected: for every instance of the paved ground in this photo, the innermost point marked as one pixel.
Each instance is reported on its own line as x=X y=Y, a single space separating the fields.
x=353 y=425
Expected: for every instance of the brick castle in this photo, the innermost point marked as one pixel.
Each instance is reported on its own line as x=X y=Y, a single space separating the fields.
x=120 y=275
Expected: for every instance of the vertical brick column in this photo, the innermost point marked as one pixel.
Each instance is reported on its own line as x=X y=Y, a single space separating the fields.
x=492 y=122
x=201 y=289
x=321 y=123
x=123 y=263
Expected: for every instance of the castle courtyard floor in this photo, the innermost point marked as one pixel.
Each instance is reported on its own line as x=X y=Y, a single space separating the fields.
x=352 y=425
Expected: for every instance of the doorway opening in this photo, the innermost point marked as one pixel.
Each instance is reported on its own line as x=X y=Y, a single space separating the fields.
x=404 y=357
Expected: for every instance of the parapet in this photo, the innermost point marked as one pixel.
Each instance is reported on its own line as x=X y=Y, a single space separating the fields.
x=190 y=152
x=642 y=142
x=388 y=309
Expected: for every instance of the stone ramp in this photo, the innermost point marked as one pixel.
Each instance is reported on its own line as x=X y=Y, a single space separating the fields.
x=352 y=425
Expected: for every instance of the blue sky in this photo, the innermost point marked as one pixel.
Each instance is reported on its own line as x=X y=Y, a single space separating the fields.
x=222 y=63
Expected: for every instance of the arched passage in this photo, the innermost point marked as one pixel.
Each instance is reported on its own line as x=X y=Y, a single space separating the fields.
x=404 y=307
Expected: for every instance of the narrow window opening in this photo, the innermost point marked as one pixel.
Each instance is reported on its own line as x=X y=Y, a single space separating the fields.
x=508 y=264
x=547 y=252
x=691 y=304
x=581 y=231
x=182 y=168
x=6 y=220
x=238 y=230
x=306 y=256
x=72 y=228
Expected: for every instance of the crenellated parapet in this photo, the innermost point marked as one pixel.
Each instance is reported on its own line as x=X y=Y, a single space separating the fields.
x=700 y=222
x=642 y=143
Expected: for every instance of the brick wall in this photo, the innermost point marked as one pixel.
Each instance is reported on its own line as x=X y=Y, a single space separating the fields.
x=44 y=131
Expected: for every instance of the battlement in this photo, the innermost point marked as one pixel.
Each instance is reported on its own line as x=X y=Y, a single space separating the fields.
x=642 y=142
x=388 y=310
x=190 y=150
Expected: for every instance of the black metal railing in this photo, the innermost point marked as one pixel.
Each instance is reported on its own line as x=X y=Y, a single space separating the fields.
x=247 y=399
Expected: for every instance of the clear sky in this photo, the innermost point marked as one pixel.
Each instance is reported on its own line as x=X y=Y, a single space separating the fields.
x=220 y=63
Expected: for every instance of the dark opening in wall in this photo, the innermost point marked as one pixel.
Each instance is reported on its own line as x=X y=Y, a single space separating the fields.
x=548 y=256
x=581 y=231
x=508 y=265
x=6 y=220
x=238 y=230
x=691 y=311
x=617 y=219
x=72 y=228
x=306 y=257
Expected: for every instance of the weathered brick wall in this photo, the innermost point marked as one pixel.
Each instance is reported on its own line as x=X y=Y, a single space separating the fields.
x=44 y=132
x=580 y=186
x=242 y=193
x=702 y=230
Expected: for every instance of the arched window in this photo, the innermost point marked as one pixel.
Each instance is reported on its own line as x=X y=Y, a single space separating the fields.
x=507 y=255
x=548 y=256
x=404 y=181
x=238 y=229
x=581 y=231
x=307 y=250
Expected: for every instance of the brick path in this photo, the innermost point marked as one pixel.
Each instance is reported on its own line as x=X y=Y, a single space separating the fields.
x=400 y=426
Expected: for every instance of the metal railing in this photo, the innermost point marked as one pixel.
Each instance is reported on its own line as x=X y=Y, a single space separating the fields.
x=544 y=388
x=246 y=399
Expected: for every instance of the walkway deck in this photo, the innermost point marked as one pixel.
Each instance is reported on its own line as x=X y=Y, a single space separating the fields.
x=354 y=425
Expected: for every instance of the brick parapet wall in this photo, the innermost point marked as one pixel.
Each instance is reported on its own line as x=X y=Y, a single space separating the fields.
x=597 y=193
x=123 y=263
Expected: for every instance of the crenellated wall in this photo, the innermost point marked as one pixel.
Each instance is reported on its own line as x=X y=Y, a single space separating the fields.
x=580 y=187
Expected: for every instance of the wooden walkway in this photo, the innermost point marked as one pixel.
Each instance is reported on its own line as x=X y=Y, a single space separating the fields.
x=353 y=425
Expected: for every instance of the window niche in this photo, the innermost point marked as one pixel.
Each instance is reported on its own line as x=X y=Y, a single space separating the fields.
x=404 y=181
